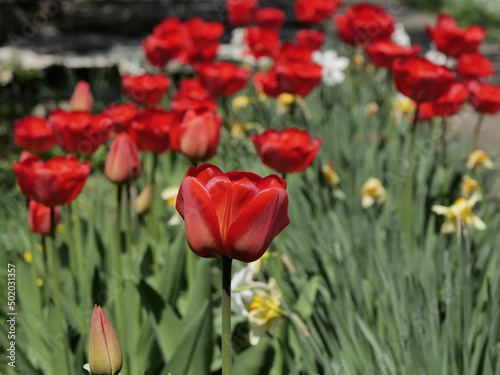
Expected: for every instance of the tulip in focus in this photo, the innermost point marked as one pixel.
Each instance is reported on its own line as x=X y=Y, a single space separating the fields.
x=237 y=213
x=105 y=355
x=459 y=215
x=122 y=164
x=288 y=151
x=39 y=218
x=478 y=159
x=371 y=192
x=82 y=99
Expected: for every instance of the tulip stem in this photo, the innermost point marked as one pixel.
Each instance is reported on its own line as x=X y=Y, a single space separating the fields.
x=444 y=142
x=477 y=130
x=464 y=287
x=55 y=290
x=153 y=220
x=76 y=231
x=226 y=315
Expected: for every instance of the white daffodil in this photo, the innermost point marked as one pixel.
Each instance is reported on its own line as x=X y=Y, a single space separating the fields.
x=400 y=36
x=438 y=58
x=240 y=290
x=479 y=159
x=169 y=195
x=459 y=215
x=371 y=192
x=333 y=66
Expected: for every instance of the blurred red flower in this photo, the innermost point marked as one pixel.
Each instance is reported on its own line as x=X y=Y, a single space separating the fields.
x=291 y=150
x=484 y=97
x=197 y=135
x=121 y=115
x=39 y=218
x=384 y=52
x=364 y=23
x=122 y=163
x=80 y=132
x=261 y=41
x=312 y=39
x=314 y=11
x=205 y=40
x=34 y=134
x=222 y=78
x=192 y=95
x=421 y=80
x=52 y=183
x=241 y=12
x=294 y=52
x=150 y=129
x=272 y=18
x=453 y=41
x=146 y=89
x=237 y=213
x=474 y=65
x=448 y=104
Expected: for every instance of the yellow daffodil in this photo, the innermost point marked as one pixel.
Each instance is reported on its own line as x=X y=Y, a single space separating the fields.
x=460 y=214
x=329 y=174
x=28 y=257
x=371 y=192
x=285 y=101
x=264 y=311
x=403 y=106
x=479 y=159
x=241 y=102
x=468 y=186
x=169 y=195
x=238 y=128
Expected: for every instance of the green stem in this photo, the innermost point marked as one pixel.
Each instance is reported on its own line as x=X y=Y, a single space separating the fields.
x=128 y=229
x=477 y=130
x=444 y=142
x=153 y=219
x=51 y=254
x=76 y=231
x=464 y=287
x=226 y=316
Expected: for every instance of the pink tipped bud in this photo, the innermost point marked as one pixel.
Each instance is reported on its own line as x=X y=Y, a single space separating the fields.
x=122 y=163
x=39 y=218
x=82 y=99
x=105 y=355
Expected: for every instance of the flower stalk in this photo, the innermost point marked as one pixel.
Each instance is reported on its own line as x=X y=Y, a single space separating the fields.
x=226 y=316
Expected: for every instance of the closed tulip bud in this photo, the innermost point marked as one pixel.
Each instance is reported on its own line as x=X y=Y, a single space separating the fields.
x=105 y=355
x=39 y=218
x=143 y=202
x=122 y=163
x=82 y=99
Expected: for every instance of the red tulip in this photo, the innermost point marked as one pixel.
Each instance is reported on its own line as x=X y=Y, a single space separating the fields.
x=451 y=102
x=235 y=213
x=192 y=95
x=34 y=134
x=80 y=132
x=453 y=41
x=160 y=51
x=295 y=52
x=312 y=39
x=421 y=80
x=52 y=183
x=426 y=112
x=484 y=97
x=272 y=18
x=291 y=150
x=241 y=12
x=364 y=23
x=82 y=99
x=262 y=42
x=314 y=11
x=383 y=53
x=204 y=40
x=197 y=135
x=122 y=163
x=474 y=65
x=121 y=115
x=146 y=88
x=105 y=354
x=151 y=129
x=222 y=78
x=39 y=218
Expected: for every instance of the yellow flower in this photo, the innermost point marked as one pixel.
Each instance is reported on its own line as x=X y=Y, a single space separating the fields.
x=28 y=257
x=241 y=102
x=403 y=104
x=330 y=175
x=264 y=311
x=39 y=282
x=460 y=214
x=479 y=159
x=285 y=100
x=371 y=192
x=169 y=195
x=468 y=186
x=238 y=128
x=256 y=266
x=357 y=59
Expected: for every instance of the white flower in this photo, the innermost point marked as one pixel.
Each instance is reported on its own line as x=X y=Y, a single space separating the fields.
x=459 y=215
x=333 y=66
x=438 y=58
x=399 y=36
x=371 y=192
x=240 y=291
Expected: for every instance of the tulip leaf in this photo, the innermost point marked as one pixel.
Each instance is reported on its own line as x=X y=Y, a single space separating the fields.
x=151 y=299
x=257 y=360
x=305 y=303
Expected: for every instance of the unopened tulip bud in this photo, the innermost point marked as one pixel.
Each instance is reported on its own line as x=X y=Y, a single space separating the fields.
x=39 y=218
x=122 y=163
x=143 y=202
x=82 y=99
x=105 y=355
